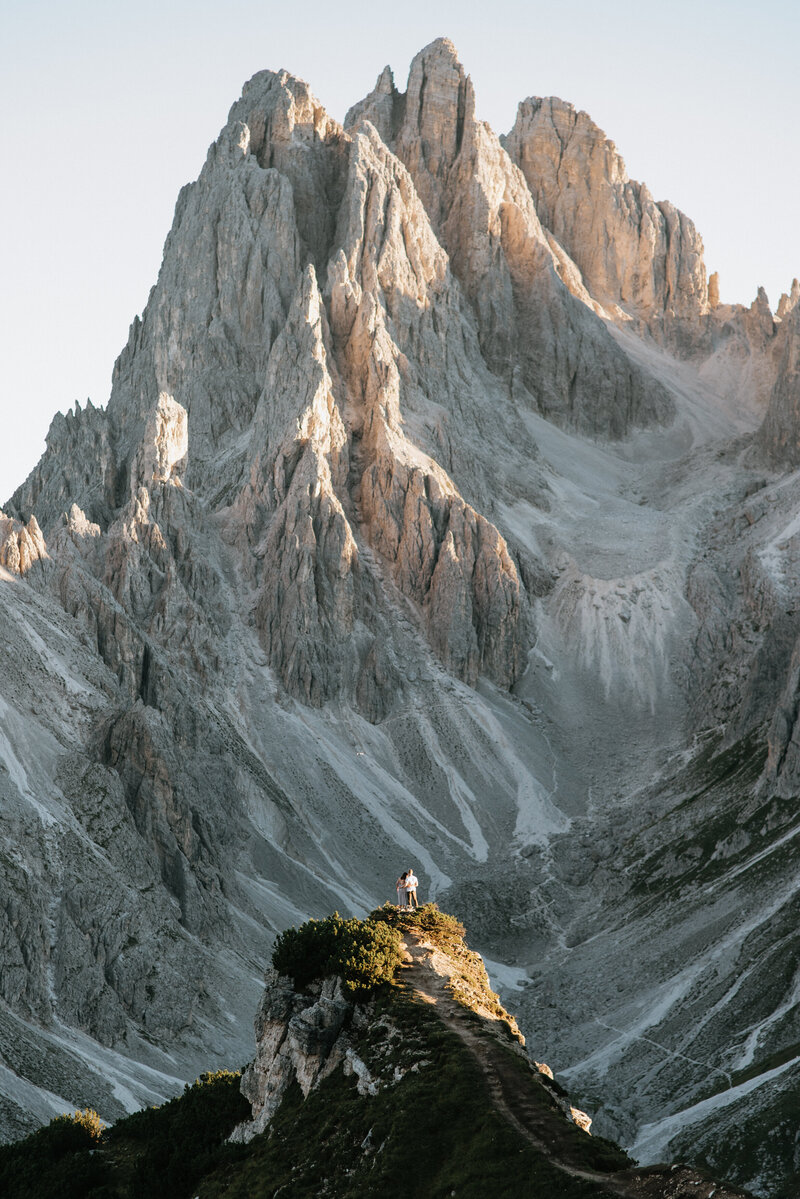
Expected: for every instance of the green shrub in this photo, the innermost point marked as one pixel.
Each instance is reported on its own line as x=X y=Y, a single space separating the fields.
x=363 y=953
x=69 y=1133
x=157 y=1153
x=54 y=1160
x=181 y=1141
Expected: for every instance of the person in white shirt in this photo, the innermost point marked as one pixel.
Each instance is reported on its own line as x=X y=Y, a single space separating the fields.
x=412 y=882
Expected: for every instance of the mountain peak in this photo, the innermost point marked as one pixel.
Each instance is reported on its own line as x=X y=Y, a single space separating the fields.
x=426 y=517
x=439 y=101
x=439 y=50
x=641 y=260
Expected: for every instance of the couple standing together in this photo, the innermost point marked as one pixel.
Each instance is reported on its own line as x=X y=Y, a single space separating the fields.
x=407 y=890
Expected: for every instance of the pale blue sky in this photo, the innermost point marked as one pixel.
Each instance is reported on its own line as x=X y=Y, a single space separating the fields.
x=108 y=108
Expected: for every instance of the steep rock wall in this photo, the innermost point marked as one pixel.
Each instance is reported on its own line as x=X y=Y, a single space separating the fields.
x=520 y=287
x=641 y=257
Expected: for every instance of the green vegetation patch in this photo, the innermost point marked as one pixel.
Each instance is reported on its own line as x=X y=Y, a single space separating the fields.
x=442 y=930
x=363 y=953
x=174 y=1145
x=58 y=1160
x=159 y=1152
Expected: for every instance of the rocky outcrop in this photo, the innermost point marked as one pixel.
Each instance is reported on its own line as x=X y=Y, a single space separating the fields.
x=305 y=1034
x=744 y=358
x=456 y=564
x=713 y=291
x=77 y=467
x=789 y=300
x=300 y=1037
x=286 y=130
x=638 y=258
x=162 y=455
x=393 y=1048
x=20 y=545
x=380 y=107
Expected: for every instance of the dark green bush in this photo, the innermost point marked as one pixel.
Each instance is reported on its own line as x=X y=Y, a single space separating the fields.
x=363 y=953
x=54 y=1160
x=184 y=1138
x=158 y=1153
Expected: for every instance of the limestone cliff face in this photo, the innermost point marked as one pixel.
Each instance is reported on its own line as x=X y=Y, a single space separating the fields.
x=308 y=569
x=641 y=258
x=531 y=307
x=445 y=556
x=300 y=1037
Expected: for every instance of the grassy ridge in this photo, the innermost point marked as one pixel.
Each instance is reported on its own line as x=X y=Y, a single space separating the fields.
x=432 y=1134
x=431 y=1130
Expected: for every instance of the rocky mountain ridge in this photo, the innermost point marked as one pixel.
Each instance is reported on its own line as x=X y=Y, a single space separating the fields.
x=306 y=1035
x=336 y=1080
x=414 y=527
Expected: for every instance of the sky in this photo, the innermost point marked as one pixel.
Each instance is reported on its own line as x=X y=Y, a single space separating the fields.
x=108 y=108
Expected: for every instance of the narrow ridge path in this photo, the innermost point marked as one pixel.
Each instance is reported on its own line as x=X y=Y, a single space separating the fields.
x=542 y=1125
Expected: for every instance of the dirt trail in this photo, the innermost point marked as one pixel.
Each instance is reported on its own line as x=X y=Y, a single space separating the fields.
x=544 y=1126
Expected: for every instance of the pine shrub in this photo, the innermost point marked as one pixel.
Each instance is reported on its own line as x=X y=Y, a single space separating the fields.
x=363 y=953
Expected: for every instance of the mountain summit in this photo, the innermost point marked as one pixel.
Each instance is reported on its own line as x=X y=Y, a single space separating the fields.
x=439 y=512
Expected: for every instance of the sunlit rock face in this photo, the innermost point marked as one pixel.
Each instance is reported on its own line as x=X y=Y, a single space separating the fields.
x=531 y=308
x=440 y=515
x=20 y=545
x=638 y=257
x=300 y=1038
